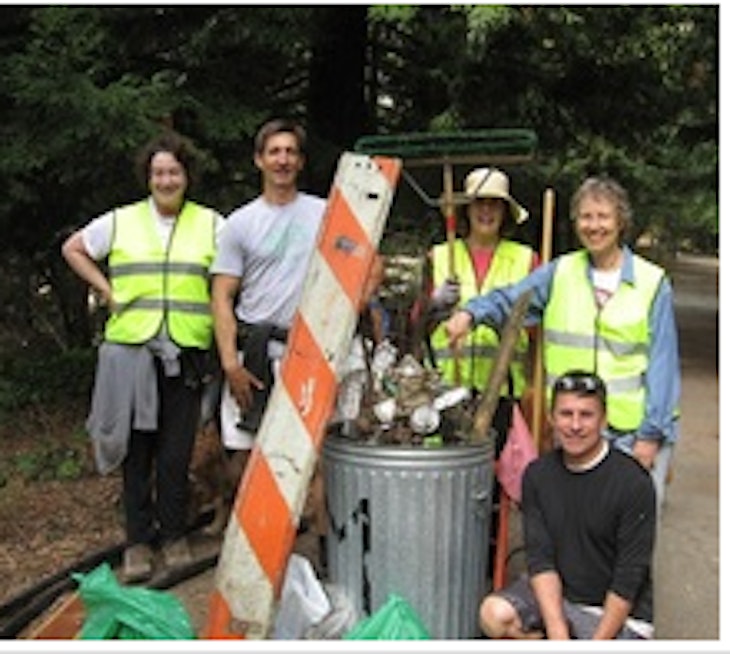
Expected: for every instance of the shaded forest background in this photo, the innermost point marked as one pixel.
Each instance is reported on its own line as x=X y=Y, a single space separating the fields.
x=628 y=90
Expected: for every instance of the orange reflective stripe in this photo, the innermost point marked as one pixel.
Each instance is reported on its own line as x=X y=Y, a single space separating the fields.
x=266 y=518
x=313 y=400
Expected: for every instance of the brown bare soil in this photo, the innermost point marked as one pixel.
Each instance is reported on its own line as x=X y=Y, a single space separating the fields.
x=48 y=525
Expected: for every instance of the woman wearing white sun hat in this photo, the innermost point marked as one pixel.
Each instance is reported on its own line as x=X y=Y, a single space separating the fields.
x=485 y=258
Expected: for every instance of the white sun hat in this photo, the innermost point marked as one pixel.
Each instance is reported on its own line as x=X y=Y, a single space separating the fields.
x=493 y=183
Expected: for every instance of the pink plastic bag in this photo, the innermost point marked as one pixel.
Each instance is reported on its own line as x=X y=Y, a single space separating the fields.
x=518 y=451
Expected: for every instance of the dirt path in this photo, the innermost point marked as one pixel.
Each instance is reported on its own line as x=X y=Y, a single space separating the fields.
x=687 y=563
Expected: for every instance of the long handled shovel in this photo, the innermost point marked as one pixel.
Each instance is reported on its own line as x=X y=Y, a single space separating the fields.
x=483 y=420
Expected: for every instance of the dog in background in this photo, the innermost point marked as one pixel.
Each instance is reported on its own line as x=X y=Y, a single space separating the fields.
x=213 y=486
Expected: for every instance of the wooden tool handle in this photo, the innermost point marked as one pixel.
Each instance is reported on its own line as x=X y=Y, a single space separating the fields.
x=450 y=215
x=538 y=373
x=510 y=333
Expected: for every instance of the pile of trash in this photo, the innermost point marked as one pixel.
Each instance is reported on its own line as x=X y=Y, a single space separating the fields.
x=385 y=398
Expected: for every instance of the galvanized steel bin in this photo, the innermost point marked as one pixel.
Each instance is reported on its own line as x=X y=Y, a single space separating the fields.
x=412 y=521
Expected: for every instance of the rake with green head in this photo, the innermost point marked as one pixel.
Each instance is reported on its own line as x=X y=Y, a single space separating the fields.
x=497 y=146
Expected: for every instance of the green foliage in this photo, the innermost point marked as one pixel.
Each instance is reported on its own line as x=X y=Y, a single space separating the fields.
x=72 y=122
x=482 y=21
x=400 y=15
x=627 y=89
x=58 y=461
x=44 y=379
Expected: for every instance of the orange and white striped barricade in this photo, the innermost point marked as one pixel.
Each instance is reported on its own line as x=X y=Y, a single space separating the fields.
x=261 y=530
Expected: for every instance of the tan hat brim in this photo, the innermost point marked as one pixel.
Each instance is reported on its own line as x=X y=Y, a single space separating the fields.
x=519 y=213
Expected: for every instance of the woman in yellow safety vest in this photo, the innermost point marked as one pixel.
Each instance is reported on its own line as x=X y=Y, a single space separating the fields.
x=484 y=259
x=151 y=366
x=607 y=310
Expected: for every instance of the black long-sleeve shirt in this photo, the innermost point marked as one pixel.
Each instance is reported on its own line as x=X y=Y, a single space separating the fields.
x=595 y=528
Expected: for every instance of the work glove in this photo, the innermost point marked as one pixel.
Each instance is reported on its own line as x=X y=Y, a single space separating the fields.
x=444 y=298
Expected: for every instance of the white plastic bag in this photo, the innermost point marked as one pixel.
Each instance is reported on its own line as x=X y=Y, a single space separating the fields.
x=303 y=603
x=339 y=620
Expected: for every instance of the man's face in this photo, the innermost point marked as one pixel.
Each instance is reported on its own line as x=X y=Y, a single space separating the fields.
x=280 y=161
x=577 y=422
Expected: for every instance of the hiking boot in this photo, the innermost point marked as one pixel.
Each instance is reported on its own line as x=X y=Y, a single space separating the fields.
x=177 y=554
x=137 y=563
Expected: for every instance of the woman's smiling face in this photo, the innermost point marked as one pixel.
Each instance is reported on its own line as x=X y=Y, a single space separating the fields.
x=486 y=216
x=168 y=182
x=598 y=225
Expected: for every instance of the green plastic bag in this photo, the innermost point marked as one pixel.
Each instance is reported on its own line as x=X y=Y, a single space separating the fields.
x=394 y=620
x=115 y=612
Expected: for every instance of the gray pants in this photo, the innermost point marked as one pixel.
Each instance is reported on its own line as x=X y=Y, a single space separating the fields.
x=582 y=623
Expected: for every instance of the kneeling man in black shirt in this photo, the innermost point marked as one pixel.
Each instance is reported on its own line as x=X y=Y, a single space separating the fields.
x=589 y=519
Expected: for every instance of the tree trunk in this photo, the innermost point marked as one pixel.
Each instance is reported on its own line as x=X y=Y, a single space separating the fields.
x=337 y=113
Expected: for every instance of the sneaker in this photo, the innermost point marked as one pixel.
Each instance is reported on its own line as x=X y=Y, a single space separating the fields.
x=137 y=563
x=177 y=554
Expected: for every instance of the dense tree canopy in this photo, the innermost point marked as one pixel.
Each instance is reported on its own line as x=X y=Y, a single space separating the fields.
x=629 y=90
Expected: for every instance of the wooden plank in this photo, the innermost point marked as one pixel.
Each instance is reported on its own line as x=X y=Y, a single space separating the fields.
x=64 y=622
x=273 y=489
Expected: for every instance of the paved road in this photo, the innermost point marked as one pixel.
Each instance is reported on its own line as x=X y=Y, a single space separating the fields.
x=687 y=563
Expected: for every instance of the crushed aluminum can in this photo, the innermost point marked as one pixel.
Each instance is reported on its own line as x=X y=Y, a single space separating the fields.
x=385 y=411
x=384 y=357
x=424 y=419
x=451 y=398
x=350 y=394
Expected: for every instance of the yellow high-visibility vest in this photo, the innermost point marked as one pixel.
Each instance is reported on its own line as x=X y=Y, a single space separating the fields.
x=151 y=286
x=511 y=262
x=612 y=341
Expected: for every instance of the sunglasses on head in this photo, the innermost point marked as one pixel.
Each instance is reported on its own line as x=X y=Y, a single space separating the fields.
x=581 y=383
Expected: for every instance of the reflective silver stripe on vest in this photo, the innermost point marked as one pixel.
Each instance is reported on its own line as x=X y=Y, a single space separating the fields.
x=147 y=268
x=621 y=385
x=202 y=308
x=481 y=351
x=477 y=352
x=590 y=342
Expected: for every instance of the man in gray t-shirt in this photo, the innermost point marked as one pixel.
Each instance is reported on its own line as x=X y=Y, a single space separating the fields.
x=259 y=271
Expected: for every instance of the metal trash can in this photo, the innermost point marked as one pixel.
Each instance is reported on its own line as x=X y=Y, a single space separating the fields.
x=413 y=521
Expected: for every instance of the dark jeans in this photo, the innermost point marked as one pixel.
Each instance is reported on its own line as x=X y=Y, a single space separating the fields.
x=155 y=471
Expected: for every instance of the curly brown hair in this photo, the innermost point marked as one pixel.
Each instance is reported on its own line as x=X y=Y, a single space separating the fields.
x=178 y=146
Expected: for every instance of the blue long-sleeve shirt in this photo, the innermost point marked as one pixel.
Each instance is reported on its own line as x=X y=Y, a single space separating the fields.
x=662 y=380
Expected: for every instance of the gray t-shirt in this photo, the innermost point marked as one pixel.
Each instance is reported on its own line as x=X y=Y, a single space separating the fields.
x=269 y=247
